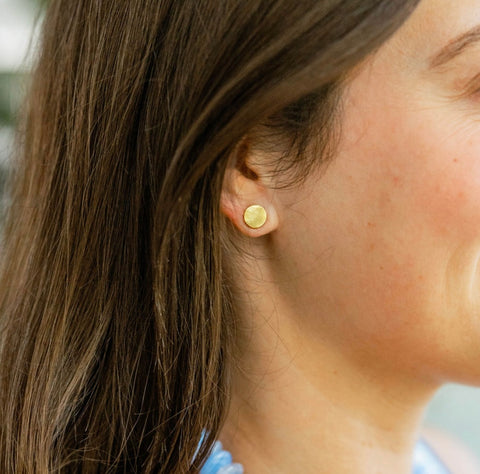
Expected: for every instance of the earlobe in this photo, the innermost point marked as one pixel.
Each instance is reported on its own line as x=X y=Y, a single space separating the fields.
x=254 y=220
x=248 y=207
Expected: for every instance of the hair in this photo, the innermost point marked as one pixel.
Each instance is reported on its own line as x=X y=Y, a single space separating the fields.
x=117 y=322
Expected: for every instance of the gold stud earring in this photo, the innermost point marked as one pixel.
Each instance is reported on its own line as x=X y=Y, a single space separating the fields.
x=255 y=216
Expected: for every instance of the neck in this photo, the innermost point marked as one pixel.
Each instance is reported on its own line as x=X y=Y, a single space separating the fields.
x=299 y=405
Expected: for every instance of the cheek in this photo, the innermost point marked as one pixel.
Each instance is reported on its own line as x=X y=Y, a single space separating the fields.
x=418 y=158
x=386 y=242
x=445 y=186
x=416 y=173
x=418 y=186
x=399 y=210
x=423 y=236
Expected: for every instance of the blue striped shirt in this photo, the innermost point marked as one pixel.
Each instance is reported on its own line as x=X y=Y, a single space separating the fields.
x=425 y=461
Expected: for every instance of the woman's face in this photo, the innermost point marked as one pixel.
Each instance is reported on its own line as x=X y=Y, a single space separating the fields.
x=382 y=250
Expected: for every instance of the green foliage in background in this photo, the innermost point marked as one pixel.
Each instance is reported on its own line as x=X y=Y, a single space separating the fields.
x=11 y=91
x=9 y=97
x=10 y=88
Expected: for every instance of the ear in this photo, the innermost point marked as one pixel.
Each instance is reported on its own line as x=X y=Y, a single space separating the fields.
x=244 y=185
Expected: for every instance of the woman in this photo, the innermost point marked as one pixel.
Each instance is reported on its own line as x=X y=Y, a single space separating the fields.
x=251 y=221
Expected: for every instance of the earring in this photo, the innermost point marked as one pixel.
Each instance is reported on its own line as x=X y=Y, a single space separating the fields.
x=255 y=216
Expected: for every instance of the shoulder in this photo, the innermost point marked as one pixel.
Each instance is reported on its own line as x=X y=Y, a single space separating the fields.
x=452 y=452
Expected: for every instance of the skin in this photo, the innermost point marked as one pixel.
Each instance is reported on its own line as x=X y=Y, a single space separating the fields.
x=360 y=296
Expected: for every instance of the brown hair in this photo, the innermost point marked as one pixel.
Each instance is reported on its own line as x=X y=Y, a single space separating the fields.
x=117 y=321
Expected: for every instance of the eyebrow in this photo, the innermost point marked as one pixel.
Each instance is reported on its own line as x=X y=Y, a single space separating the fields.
x=455 y=47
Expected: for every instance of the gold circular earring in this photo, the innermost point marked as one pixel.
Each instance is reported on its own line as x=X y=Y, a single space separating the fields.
x=255 y=216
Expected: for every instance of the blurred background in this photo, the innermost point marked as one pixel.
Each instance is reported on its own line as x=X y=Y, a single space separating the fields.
x=455 y=408
x=17 y=19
